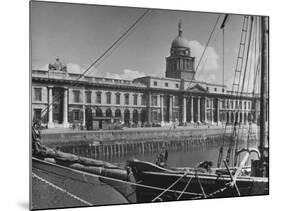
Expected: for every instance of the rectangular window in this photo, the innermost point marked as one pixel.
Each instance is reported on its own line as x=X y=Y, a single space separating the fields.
x=98 y=97
x=215 y=89
x=166 y=84
x=76 y=95
x=108 y=98
x=249 y=105
x=231 y=104
x=38 y=94
x=177 y=85
x=88 y=97
x=245 y=105
x=127 y=99
x=117 y=98
x=37 y=114
x=76 y=115
x=143 y=99
x=155 y=83
x=135 y=99
x=227 y=103
x=154 y=100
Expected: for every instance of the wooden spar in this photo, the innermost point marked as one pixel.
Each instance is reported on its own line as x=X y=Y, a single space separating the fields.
x=238 y=171
x=231 y=177
x=264 y=91
x=173 y=184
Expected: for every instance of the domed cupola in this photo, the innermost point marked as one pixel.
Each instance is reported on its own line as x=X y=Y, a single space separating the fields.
x=180 y=64
x=180 y=41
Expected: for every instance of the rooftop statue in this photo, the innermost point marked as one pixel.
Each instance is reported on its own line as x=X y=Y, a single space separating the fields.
x=58 y=66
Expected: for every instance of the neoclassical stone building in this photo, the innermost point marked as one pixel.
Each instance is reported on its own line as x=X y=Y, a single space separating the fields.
x=178 y=97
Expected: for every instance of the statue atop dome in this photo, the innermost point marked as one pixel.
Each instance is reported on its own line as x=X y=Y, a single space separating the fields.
x=180 y=41
x=180 y=29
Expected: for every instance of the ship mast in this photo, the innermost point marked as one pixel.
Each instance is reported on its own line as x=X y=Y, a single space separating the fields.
x=264 y=90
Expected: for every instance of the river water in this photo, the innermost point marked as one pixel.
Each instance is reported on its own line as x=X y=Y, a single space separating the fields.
x=186 y=157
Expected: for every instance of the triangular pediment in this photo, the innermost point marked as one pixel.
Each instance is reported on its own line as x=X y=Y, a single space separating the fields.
x=197 y=88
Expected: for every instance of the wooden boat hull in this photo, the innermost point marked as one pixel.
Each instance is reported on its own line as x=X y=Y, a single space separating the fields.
x=154 y=180
x=94 y=189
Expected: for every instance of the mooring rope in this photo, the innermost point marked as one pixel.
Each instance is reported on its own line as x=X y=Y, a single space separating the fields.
x=186 y=186
x=120 y=181
x=60 y=189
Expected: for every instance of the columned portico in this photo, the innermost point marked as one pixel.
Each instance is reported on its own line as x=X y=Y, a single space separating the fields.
x=65 y=108
x=50 y=116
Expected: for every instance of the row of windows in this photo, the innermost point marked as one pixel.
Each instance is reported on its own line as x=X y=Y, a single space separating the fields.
x=155 y=83
x=181 y=64
x=76 y=98
x=231 y=103
x=215 y=89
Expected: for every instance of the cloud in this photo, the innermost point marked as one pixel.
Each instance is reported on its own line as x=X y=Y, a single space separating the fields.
x=126 y=75
x=208 y=66
x=210 y=58
x=74 y=68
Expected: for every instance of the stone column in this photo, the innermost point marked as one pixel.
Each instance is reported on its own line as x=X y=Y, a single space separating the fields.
x=84 y=109
x=162 y=109
x=50 y=93
x=212 y=110
x=191 y=109
x=184 y=110
x=131 y=116
x=218 y=111
x=171 y=109
x=198 y=109
x=65 y=108
x=205 y=110
x=149 y=108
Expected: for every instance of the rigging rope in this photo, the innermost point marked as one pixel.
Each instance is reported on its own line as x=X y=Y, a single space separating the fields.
x=101 y=58
x=242 y=89
x=118 y=180
x=61 y=189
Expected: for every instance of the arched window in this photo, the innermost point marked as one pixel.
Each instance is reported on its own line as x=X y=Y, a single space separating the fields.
x=99 y=112
x=108 y=112
x=127 y=116
x=135 y=116
x=117 y=113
